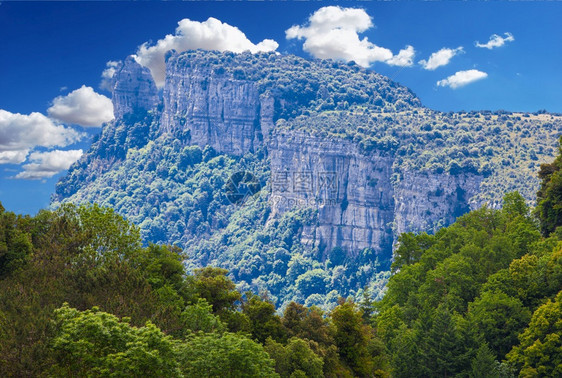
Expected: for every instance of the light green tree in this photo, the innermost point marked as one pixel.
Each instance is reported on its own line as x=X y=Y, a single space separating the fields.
x=539 y=352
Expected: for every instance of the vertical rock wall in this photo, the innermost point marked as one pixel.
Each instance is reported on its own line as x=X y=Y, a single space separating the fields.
x=206 y=108
x=364 y=209
x=133 y=88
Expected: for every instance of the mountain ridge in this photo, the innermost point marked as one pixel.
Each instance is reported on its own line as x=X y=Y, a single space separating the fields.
x=396 y=166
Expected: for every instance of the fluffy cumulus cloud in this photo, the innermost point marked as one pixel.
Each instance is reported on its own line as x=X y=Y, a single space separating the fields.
x=108 y=73
x=47 y=164
x=462 y=78
x=82 y=107
x=333 y=33
x=209 y=35
x=496 y=41
x=19 y=133
x=440 y=58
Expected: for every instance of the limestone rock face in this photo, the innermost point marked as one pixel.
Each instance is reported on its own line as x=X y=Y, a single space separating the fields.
x=358 y=204
x=133 y=88
x=351 y=191
x=427 y=202
x=203 y=107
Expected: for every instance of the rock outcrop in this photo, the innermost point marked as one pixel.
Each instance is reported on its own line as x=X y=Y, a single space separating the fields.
x=358 y=205
x=426 y=201
x=206 y=108
x=351 y=191
x=133 y=88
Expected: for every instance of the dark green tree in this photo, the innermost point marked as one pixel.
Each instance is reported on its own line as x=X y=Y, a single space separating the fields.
x=443 y=349
x=549 y=196
x=294 y=359
x=499 y=318
x=352 y=337
x=484 y=364
x=264 y=322
x=538 y=353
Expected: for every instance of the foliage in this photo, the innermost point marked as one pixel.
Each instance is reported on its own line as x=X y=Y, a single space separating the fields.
x=538 y=354
x=95 y=343
x=264 y=322
x=294 y=359
x=461 y=300
x=549 y=196
x=226 y=355
x=129 y=310
x=199 y=317
x=85 y=256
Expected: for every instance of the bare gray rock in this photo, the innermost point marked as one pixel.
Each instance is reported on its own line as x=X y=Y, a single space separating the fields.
x=133 y=88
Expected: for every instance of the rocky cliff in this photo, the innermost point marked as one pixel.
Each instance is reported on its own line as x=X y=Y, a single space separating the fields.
x=360 y=203
x=351 y=191
x=427 y=202
x=133 y=89
x=210 y=108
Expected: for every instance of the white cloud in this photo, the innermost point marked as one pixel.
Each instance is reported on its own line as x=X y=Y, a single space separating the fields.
x=462 y=78
x=19 y=133
x=13 y=157
x=440 y=58
x=82 y=107
x=496 y=41
x=333 y=33
x=47 y=164
x=108 y=73
x=209 y=35
x=405 y=57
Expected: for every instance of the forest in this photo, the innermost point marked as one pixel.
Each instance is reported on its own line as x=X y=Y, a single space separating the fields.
x=82 y=296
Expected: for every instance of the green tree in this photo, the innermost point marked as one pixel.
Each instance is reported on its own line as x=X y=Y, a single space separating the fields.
x=352 y=337
x=514 y=205
x=410 y=249
x=294 y=359
x=15 y=243
x=366 y=305
x=216 y=288
x=226 y=355
x=499 y=318
x=549 y=196
x=406 y=353
x=308 y=323
x=93 y=342
x=443 y=350
x=264 y=322
x=199 y=317
x=538 y=353
x=484 y=364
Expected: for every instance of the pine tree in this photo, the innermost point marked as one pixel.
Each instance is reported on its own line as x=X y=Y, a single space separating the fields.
x=484 y=364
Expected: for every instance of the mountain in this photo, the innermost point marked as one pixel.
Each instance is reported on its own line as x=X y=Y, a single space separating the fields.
x=297 y=176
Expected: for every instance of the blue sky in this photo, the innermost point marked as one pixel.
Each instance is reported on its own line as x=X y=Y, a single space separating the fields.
x=60 y=49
